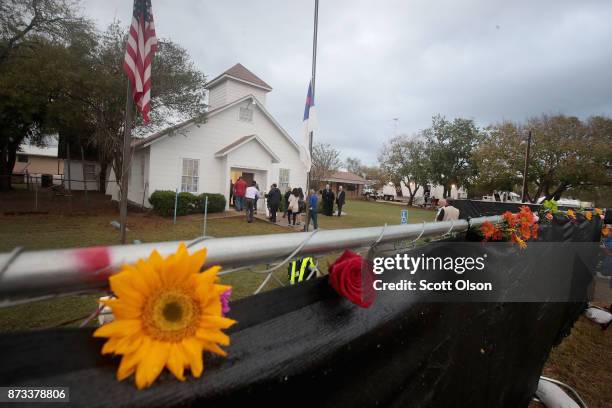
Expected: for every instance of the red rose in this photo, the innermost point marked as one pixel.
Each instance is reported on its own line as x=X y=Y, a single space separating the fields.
x=346 y=277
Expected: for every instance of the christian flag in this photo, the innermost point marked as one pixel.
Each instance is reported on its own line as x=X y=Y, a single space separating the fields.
x=310 y=123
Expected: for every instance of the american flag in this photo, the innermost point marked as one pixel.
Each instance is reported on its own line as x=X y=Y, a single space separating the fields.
x=140 y=47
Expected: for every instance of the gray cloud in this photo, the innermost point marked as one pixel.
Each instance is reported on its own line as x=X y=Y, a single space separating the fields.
x=487 y=60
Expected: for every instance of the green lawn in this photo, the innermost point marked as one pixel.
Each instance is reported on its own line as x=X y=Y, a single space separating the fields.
x=63 y=231
x=361 y=213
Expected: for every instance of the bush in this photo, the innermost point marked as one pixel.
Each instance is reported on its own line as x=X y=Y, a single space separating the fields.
x=216 y=202
x=188 y=203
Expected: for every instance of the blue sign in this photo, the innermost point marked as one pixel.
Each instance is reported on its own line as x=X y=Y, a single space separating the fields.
x=404 y=217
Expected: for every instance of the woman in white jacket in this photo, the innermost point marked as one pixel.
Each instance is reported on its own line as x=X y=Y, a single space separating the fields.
x=294 y=207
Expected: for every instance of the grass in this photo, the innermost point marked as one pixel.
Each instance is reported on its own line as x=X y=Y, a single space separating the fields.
x=582 y=361
x=361 y=213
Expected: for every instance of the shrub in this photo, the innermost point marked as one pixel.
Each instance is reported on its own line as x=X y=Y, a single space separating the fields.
x=163 y=203
x=188 y=203
x=216 y=202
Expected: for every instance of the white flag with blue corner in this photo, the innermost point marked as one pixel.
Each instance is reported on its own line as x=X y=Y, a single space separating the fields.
x=310 y=123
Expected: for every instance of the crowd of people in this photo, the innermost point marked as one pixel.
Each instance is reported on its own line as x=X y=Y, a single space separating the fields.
x=298 y=208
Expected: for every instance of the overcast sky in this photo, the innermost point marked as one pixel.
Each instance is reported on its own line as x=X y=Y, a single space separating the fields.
x=377 y=60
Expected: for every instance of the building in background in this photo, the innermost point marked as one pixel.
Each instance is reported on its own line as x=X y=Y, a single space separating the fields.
x=352 y=183
x=33 y=161
x=239 y=137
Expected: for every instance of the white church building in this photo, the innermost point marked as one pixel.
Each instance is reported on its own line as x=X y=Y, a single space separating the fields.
x=239 y=137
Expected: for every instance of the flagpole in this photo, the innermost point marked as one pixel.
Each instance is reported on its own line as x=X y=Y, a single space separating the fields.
x=314 y=74
x=127 y=142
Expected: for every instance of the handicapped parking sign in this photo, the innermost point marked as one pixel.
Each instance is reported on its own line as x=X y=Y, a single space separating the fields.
x=404 y=219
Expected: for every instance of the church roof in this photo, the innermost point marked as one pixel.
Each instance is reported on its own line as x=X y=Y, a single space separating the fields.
x=239 y=72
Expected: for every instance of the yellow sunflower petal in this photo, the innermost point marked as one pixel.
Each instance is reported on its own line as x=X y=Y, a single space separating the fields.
x=156 y=259
x=175 y=362
x=121 y=284
x=196 y=260
x=215 y=336
x=216 y=322
x=110 y=345
x=123 y=310
x=129 y=344
x=213 y=348
x=193 y=349
x=130 y=361
x=151 y=366
x=119 y=328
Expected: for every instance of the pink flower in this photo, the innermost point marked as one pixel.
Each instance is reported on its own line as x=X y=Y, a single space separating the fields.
x=225 y=297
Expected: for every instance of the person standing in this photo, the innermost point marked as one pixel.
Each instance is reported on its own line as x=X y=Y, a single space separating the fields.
x=256 y=198
x=274 y=198
x=251 y=195
x=447 y=212
x=301 y=205
x=328 y=201
x=239 y=191
x=286 y=201
x=340 y=200
x=293 y=208
x=313 y=202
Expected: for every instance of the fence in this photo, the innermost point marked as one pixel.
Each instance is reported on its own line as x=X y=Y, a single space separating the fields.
x=35 y=274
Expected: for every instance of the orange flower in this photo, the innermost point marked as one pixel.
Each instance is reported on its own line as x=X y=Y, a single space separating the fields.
x=525 y=230
x=549 y=216
x=598 y=211
x=571 y=214
x=487 y=229
x=588 y=215
x=509 y=218
x=604 y=231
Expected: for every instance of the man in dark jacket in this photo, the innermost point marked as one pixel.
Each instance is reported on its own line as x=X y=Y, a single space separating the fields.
x=274 y=197
x=327 y=196
x=340 y=200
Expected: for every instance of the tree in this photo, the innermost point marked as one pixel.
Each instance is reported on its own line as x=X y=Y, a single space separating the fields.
x=177 y=93
x=404 y=159
x=325 y=161
x=566 y=154
x=354 y=165
x=32 y=34
x=449 y=148
x=22 y=20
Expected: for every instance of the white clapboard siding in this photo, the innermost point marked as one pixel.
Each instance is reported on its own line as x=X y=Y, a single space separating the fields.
x=203 y=141
x=229 y=90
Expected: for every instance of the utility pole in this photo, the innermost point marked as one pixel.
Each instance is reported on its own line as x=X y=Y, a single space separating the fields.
x=526 y=168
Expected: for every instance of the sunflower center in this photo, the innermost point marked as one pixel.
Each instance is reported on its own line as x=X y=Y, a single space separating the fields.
x=171 y=315
x=173 y=312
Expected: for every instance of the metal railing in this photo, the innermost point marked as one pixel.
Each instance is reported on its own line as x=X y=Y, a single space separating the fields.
x=33 y=275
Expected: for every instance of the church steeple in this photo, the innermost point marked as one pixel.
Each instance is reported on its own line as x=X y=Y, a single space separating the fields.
x=235 y=83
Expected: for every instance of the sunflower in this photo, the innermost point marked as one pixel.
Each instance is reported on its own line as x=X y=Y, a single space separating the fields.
x=166 y=315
